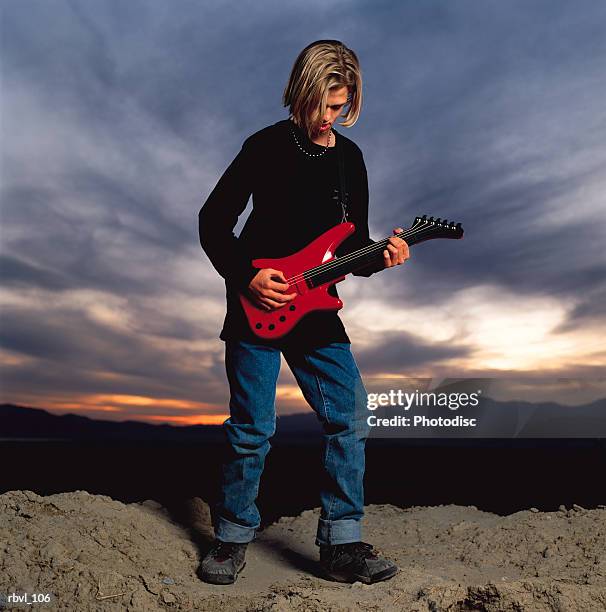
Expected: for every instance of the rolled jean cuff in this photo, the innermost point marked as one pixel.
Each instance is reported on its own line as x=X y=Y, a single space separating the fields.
x=226 y=531
x=338 y=532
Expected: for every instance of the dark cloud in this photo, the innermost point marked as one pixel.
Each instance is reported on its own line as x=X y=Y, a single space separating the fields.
x=18 y=273
x=401 y=352
x=69 y=352
x=591 y=308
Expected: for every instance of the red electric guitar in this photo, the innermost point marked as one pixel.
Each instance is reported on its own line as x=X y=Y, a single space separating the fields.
x=310 y=272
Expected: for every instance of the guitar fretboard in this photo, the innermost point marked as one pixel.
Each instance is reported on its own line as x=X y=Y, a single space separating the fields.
x=423 y=229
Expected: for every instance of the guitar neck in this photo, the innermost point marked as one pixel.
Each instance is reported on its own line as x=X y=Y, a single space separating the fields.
x=424 y=229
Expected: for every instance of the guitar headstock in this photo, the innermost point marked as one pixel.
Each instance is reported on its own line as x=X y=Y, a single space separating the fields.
x=438 y=228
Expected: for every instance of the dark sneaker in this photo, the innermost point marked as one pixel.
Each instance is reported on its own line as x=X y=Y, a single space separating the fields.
x=223 y=562
x=356 y=561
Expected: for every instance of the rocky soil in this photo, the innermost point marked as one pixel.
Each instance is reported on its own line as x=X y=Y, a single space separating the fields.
x=90 y=552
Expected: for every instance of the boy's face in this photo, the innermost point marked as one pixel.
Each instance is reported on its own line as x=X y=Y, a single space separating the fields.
x=337 y=98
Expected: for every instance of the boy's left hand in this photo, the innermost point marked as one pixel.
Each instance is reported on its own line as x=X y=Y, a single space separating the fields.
x=397 y=251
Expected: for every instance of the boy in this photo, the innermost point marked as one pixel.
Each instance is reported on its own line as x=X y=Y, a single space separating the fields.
x=291 y=169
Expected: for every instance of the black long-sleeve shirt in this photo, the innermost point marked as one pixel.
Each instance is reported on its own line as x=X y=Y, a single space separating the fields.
x=293 y=203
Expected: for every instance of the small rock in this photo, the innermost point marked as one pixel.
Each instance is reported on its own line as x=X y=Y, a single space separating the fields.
x=31 y=496
x=534 y=510
x=577 y=507
x=149 y=584
x=168 y=597
x=151 y=503
x=601 y=506
x=562 y=508
x=168 y=580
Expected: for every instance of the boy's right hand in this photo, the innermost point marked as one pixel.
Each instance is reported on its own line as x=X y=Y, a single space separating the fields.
x=270 y=294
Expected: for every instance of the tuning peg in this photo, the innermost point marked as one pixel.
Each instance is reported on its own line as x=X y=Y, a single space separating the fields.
x=430 y=219
x=438 y=220
x=458 y=226
x=424 y=218
x=445 y=222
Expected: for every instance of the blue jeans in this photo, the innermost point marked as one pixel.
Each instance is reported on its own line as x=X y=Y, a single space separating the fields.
x=331 y=384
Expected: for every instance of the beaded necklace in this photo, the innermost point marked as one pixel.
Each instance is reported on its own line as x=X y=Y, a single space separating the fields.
x=307 y=152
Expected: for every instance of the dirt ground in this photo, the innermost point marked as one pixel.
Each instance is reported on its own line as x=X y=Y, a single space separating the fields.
x=90 y=552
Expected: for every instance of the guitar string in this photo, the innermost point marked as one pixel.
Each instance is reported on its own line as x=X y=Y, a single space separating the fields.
x=376 y=246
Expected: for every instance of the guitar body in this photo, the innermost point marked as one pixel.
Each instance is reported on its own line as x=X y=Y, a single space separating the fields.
x=312 y=270
x=276 y=323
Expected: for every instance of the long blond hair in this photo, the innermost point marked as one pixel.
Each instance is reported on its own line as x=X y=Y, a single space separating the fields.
x=320 y=67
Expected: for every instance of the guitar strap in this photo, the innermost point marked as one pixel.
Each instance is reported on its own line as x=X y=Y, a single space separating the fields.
x=343 y=195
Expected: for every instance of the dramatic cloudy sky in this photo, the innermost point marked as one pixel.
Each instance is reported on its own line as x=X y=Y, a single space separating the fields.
x=119 y=117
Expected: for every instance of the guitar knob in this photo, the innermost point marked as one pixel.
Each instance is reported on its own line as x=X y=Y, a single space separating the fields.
x=282 y=318
x=292 y=307
x=271 y=326
x=258 y=326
